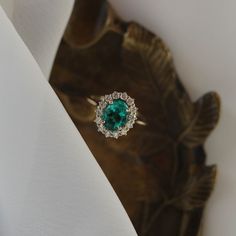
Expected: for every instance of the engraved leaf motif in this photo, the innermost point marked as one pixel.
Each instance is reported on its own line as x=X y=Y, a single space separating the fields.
x=148 y=56
x=145 y=50
x=205 y=120
x=197 y=189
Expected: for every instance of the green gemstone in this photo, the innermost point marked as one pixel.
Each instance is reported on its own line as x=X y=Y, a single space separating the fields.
x=115 y=115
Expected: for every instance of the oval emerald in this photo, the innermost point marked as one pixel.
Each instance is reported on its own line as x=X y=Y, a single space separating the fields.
x=115 y=115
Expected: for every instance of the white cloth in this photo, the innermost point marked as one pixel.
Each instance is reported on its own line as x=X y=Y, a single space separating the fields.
x=50 y=184
x=202 y=36
x=40 y=25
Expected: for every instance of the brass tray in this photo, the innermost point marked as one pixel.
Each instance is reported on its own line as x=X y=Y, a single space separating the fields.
x=158 y=171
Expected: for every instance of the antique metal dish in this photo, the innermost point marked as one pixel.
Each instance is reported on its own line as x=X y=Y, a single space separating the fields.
x=159 y=170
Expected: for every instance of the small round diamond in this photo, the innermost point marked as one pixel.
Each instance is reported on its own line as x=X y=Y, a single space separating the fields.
x=115 y=95
x=130 y=101
x=124 y=96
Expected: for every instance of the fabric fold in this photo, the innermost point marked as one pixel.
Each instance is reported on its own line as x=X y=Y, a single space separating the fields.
x=50 y=184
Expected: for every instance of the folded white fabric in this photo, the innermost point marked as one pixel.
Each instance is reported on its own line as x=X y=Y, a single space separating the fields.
x=50 y=184
x=40 y=25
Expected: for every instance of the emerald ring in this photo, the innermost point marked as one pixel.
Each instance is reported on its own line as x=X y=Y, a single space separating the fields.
x=116 y=114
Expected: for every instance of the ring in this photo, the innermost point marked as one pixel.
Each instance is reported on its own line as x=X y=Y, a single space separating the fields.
x=116 y=114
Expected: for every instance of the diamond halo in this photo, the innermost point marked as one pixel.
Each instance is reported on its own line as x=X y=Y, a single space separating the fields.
x=128 y=121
